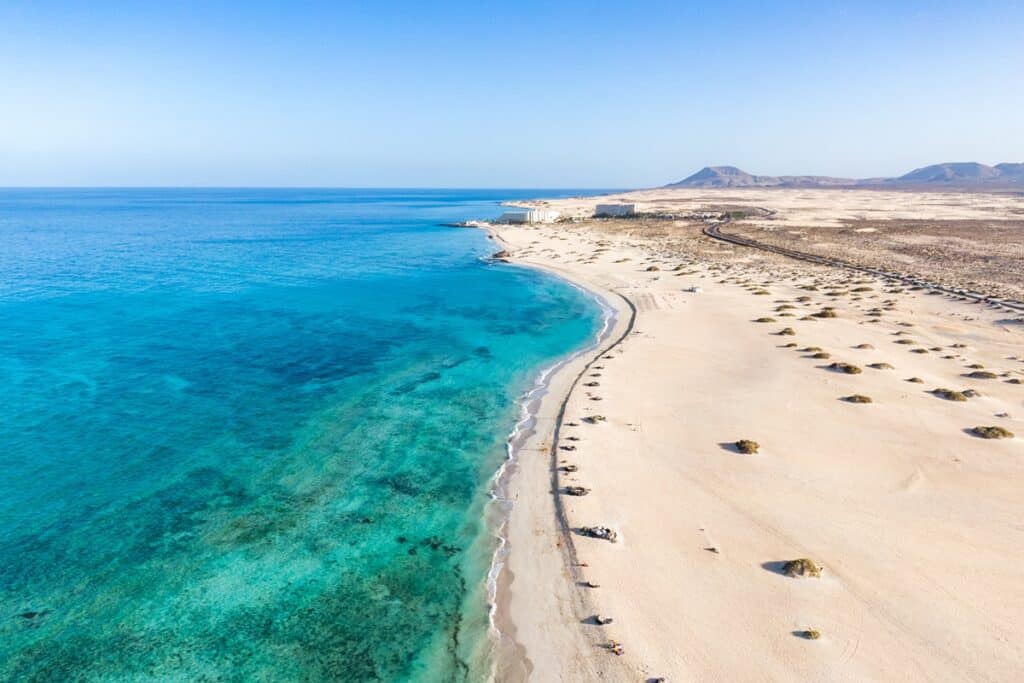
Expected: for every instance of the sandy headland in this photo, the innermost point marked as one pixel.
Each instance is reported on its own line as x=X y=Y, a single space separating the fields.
x=869 y=531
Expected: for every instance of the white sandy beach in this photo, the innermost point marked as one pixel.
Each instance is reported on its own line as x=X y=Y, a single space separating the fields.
x=915 y=522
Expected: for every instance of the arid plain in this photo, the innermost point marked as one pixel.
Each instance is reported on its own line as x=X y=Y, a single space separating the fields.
x=862 y=395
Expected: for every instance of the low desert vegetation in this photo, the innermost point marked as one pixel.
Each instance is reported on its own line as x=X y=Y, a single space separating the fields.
x=802 y=567
x=857 y=398
x=992 y=432
x=747 y=447
x=765 y=320
x=786 y=332
x=880 y=366
x=949 y=394
x=981 y=374
x=848 y=368
x=915 y=380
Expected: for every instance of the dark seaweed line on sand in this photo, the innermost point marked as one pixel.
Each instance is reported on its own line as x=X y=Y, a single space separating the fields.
x=568 y=544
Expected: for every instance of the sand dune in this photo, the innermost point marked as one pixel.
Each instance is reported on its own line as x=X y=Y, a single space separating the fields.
x=915 y=521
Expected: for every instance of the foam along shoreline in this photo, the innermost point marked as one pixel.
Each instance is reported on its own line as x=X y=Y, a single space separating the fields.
x=525 y=428
x=898 y=501
x=516 y=504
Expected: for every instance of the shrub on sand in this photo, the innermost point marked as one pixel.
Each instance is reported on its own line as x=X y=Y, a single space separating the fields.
x=981 y=374
x=949 y=394
x=848 y=368
x=857 y=398
x=802 y=567
x=747 y=447
x=992 y=433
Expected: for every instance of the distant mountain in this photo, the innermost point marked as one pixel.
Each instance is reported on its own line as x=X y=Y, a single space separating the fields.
x=962 y=174
x=955 y=172
x=1010 y=170
x=723 y=176
x=730 y=176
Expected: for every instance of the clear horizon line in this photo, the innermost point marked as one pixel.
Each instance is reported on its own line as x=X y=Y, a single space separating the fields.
x=310 y=187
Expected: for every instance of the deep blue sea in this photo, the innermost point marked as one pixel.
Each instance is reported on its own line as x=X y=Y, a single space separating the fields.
x=249 y=434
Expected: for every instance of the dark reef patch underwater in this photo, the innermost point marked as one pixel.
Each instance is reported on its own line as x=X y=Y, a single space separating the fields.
x=248 y=434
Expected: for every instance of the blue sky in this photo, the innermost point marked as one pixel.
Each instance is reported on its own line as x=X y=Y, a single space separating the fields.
x=525 y=94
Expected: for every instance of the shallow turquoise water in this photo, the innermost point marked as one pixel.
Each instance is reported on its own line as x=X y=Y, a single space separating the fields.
x=247 y=434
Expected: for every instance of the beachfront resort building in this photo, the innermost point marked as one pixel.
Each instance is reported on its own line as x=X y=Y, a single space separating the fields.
x=524 y=215
x=614 y=210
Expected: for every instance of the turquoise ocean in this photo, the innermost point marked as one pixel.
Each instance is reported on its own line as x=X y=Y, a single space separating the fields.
x=250 y=434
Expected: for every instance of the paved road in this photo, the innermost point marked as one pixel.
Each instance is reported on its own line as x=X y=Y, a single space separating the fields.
x=714 y=230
